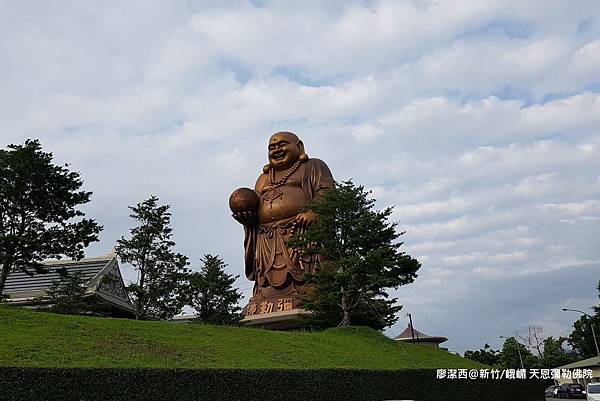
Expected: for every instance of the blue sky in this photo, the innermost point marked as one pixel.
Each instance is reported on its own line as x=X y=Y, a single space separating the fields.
x=478 y=120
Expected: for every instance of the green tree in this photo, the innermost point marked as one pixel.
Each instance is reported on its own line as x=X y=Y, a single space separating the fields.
x=551 y=352
x=162 y=274
x=486 y=355
x=39 y=216
x=510 y=358
x=212 y=295
x=359 y=259
x=67 y=295
x=581 y=339
x=555 y=355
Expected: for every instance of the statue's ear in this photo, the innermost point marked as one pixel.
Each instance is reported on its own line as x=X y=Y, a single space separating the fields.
x=303 y=156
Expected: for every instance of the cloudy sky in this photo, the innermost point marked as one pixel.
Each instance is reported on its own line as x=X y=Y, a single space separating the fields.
x=479 y=120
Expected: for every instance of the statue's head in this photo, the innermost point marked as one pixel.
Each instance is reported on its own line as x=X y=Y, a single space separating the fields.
x=285 y=149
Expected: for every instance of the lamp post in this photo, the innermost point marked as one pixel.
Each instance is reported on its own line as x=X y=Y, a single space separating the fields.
x=591 y=324
x=518 y=350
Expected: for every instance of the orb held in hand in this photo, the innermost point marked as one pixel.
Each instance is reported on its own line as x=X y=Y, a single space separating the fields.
x=243 y=200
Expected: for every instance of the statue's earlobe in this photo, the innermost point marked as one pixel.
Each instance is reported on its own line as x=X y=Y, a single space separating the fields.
x=303 y=156
x=266 y=168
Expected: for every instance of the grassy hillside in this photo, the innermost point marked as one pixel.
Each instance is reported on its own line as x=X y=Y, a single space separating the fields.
x=38 y=339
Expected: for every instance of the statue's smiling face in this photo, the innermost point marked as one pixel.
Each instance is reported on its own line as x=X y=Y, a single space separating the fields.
x=284 y=150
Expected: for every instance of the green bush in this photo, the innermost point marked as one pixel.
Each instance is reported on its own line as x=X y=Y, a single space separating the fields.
x=18 y=384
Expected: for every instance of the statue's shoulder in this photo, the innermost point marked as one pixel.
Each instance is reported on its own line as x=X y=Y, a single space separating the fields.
x=318 y=167
x=316 y=163
x=261 y=182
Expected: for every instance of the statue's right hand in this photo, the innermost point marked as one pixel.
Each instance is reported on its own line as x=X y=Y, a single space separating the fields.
x=246 y=218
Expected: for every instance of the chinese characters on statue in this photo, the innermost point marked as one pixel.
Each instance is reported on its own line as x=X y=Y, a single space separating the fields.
x=280 y=305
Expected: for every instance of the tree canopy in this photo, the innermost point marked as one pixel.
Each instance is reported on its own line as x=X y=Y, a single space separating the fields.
x=39 y=215
x=582 y=338
x=486 y=355
x=159 y=291
x=513 y=352
x=555 y=355
x=211 y=293
x=535 y=351
x=360 y=259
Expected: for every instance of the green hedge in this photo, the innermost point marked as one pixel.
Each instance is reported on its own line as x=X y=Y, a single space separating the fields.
x=41 y=384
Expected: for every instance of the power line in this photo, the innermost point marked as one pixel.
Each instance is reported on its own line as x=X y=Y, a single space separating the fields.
x=378 y=316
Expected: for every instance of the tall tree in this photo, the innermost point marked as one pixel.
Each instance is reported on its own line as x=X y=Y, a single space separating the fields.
x=582 y=339
x=513 y=352
x=211 y=293
x=39 y=215
x=162 y=274
x=555 y=355
x=360 y=259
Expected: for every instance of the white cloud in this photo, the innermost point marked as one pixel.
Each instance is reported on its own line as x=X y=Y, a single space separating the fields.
x=587 y=58
x=487 y=272
x=536 y=185
x=573 y=208
x=431 y=209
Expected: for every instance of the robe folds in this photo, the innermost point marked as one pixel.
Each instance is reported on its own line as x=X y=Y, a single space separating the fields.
x=269 y=262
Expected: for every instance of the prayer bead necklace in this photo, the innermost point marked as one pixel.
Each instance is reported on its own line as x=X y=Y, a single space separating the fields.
x=282 y=180
x=274 y=192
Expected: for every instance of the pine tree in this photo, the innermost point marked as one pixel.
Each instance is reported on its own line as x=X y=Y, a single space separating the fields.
x=212 y=295
x=67 y=295
x=360 y=259
x=39 y=215
x=162 y=274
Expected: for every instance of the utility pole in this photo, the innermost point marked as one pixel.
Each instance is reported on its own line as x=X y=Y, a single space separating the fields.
x=412 y=331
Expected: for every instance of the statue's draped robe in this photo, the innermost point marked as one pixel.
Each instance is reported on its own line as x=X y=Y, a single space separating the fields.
x=269 y=262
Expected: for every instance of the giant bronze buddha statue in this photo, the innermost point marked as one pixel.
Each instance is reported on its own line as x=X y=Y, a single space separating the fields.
x=287 y=184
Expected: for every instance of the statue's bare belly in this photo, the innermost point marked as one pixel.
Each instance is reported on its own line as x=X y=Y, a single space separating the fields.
x=278 y=206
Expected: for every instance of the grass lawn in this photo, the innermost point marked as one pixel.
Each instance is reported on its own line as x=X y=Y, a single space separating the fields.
x=36 y=339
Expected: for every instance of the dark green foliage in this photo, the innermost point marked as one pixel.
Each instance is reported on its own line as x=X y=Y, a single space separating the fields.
x=555 y=355
x=360 y=260
x=67 y=294
x=552 y=355
x=487 y=356
x=18 y=384
x=581 y=338
x=211 y=293
x=39 y=218
x=162 y=274
x=510 y=355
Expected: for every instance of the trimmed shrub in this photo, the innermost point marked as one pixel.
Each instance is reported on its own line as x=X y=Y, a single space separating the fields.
x=18 y=384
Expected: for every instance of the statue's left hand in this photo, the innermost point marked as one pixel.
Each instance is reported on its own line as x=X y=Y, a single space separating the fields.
x=306 y=219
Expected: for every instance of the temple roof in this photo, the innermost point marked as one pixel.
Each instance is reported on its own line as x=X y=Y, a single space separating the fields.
x=18 y=281
x=100 y=275
x=406 y=336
